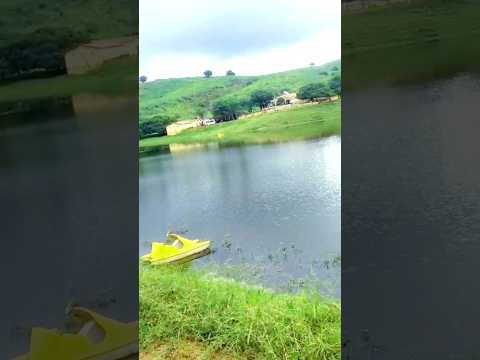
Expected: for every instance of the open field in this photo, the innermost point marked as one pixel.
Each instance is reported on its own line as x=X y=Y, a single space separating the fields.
x=378 y=43
x=301 y=123
x=223 y=319
x=170 y=100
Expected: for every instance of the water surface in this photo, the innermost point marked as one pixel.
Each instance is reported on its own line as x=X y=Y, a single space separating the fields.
x=68 y=204
x=411 y=219
x=275 y=208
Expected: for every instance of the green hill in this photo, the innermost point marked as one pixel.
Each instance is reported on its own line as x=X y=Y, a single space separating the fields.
x=410 y=42
x=35 y=35
x=92 y=19
x=165 y=101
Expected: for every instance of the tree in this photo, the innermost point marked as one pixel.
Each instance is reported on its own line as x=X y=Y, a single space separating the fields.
x=335 y=85
x=151 y=128
x=200 y=111
x=225 y=110
x=208 y=73
x=261 y=98
x=143 y=79
x=313 y=91
x=230 y=73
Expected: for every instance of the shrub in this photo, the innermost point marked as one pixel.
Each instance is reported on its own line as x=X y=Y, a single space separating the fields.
x=313 y=91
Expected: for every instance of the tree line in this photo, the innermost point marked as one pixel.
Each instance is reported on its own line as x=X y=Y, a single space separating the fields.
x=229 y=108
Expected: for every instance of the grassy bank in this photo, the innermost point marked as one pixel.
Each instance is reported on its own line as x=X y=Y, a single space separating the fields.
x=302 y=123
x=222 y=319
x=114 y=77
x=378 y=44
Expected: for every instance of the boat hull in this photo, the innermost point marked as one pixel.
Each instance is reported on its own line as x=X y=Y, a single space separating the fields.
x=183 y=258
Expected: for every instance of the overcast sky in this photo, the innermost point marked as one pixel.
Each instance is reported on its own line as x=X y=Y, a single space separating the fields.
x=181 y=38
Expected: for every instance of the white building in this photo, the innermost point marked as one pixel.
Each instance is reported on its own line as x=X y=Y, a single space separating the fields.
x=90 y=56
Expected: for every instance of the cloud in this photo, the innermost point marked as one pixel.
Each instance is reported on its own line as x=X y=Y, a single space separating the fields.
x=219 y=31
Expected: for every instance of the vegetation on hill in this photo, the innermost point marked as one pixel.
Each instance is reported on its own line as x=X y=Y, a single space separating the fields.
x=408 y=42
x=301 y=123
x=113 y=78
x=179 y=306
x=36 y=34
x=165 y=101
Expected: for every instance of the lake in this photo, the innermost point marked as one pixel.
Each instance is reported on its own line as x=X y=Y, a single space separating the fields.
x=68 y=203
x=272 y=210
x=411 y=220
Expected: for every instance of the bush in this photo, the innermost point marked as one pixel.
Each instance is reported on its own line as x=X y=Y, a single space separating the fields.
x=43 y=50
x=226 y=110
x=335 y=85
x=151 y=127
x=313 y=91
x=261 y=98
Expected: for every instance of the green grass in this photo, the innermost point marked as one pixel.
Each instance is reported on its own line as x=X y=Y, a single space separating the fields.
x=178 y=304
x=180 y=99
x=301 y=123
x=114 y=77
x=407 y=43
x=100 y=19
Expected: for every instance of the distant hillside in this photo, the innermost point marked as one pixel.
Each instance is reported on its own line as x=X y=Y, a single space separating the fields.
x=166 y=101
x=35 y=34
x=94 y=19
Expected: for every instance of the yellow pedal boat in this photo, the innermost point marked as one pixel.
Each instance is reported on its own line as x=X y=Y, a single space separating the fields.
x=180 y=251
x=98 y=338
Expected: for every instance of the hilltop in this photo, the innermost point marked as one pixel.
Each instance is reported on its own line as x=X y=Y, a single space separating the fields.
x=165 y=101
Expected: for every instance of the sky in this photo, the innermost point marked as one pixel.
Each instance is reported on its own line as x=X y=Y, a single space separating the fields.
x=183 y=38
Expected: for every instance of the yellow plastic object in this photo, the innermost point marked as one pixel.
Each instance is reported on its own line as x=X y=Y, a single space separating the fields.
x=99 y=338
x=181 y=251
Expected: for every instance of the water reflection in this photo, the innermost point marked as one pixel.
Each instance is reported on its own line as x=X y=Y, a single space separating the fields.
x=411 y=218
x=67 y=213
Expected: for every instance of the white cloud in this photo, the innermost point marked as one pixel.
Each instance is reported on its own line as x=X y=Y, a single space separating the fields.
x=187 y=37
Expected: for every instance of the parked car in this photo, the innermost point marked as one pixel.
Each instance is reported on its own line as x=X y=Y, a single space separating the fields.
x=208 y=122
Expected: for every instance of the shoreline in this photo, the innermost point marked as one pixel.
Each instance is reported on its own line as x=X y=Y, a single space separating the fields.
x=308 y=123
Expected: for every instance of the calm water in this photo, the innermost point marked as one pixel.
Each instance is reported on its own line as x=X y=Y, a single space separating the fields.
x=275 y=209
x=411 y=220
x=66 y=214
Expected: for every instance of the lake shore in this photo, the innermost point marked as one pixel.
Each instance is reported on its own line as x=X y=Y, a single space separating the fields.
x=302 y=123
x=113 y=78
x=225 y=319
x=377 y=43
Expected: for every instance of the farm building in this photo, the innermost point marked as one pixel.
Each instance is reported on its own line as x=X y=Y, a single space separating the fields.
x=285 y=99
x=179 y=126
x=90 y=56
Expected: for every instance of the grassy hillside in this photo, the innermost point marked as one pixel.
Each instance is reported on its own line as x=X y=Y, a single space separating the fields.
x=302 y=123
x=180 y=305
x=170 y=100
x=378 y=44
x=35 y=35
x=96 y=18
